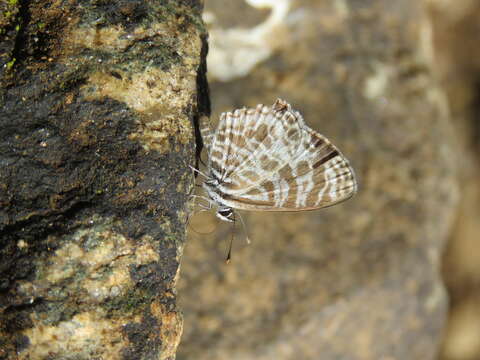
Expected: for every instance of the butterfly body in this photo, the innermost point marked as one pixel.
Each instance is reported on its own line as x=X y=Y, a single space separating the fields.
x=224 y=212
x=268 y=159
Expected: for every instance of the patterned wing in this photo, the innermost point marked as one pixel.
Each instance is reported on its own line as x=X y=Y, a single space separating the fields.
x=268 y=159
x=205 y=131
x=249 y=136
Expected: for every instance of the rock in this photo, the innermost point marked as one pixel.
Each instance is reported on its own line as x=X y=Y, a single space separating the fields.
x=359 y=280
x=456 y=33
x=96 y=135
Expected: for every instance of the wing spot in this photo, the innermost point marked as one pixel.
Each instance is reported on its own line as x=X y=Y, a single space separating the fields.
x=268 y=185
x=317 y=143
x=326 y=158
x=302 y=167
x=216 y=154
x=291 y=132
x=260 y=133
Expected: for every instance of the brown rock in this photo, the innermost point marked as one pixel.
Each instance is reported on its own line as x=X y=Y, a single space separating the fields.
x=359 y=280
x=96 y=134
x=456 y=29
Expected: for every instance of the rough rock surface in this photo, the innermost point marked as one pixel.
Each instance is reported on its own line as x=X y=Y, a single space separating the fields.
x=359 y=280
x=98 y=101
x=456 y=29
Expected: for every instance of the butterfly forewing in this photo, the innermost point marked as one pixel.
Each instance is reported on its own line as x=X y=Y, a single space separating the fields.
x=267 y=159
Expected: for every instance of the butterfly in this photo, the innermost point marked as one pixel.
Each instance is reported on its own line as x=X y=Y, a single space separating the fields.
x=268 y=159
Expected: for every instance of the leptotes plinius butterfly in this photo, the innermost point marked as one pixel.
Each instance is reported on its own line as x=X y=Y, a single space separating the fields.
x=268 y=159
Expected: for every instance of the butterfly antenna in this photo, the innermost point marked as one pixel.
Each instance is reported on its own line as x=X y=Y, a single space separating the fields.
x=247 y=238
x=229 y=254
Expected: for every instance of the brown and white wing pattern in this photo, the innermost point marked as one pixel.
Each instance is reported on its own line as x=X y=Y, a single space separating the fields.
x=206 y=132
x=268 y=159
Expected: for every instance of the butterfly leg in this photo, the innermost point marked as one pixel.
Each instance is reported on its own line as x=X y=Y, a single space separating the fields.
x=229 y=254
x=194 y=170
x=207 y=207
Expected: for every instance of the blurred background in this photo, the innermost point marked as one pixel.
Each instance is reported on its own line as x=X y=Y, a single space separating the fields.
x=393 y=273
